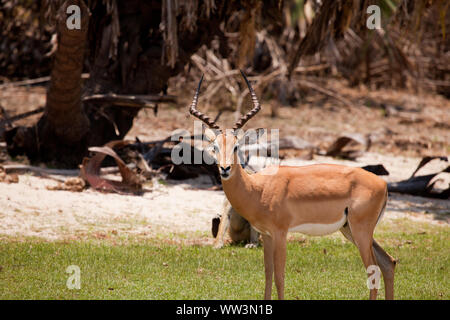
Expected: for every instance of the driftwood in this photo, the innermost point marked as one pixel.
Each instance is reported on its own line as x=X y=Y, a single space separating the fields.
x=90 y=171
x=188 y=170
x=158 y=158
x=420 y=186
x=377 y=169
x=425 y=160
x=133 y=101
x=30 y=82
x=153 y=152
x=424 y=185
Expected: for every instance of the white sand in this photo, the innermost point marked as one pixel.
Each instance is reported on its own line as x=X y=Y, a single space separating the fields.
x=29 y=209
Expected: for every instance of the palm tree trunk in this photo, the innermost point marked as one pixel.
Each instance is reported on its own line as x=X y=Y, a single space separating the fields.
x=65 y=116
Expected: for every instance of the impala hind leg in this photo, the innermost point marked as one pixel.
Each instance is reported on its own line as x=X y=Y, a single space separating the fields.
x=384 y=261
x=364 y=243
x=365 y=250
x=268 y=265
x=387 y=266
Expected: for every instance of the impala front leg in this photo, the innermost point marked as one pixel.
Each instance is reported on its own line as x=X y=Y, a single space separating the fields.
x=268 y=265
x=279 y=260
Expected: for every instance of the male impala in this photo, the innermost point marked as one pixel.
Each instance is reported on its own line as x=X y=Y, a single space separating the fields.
x=315 y=200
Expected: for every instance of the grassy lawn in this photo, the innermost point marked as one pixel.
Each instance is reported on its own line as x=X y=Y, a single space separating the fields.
x=317 y=268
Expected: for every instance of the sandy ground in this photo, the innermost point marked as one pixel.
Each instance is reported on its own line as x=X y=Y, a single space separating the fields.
x=172 y=208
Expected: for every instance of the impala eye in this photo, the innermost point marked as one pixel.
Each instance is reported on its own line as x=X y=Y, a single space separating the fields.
x=216 y=149
x=235 y=148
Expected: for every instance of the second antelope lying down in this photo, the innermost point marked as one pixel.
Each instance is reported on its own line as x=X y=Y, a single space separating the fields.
x=315 y=200
x=238 y=228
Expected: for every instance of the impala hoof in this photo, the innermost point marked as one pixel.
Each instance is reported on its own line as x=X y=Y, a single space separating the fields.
x=218 y=246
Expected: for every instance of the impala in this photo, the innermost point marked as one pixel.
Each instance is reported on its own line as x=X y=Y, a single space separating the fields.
x=315 y=200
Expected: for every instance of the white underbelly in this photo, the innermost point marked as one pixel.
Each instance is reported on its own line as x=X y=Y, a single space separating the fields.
x=319 y=229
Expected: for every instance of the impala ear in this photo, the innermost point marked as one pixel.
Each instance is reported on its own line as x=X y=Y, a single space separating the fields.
x=209 y=134
x=251 y=135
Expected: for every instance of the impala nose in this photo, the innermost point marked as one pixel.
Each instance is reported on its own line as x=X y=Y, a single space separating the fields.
x=224 y=172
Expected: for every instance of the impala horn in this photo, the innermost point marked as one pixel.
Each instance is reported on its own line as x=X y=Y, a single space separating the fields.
x=256 y=106
x=193 y=109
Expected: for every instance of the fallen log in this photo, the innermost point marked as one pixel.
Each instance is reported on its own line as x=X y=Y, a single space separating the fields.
x=139 y=101
x=377 y=169
x=10 y=120
x=425 y=185
x=30 y=82
x=421 y=186
x=425 y=160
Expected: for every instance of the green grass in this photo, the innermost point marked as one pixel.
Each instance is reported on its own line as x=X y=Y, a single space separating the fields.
x=153 y=269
